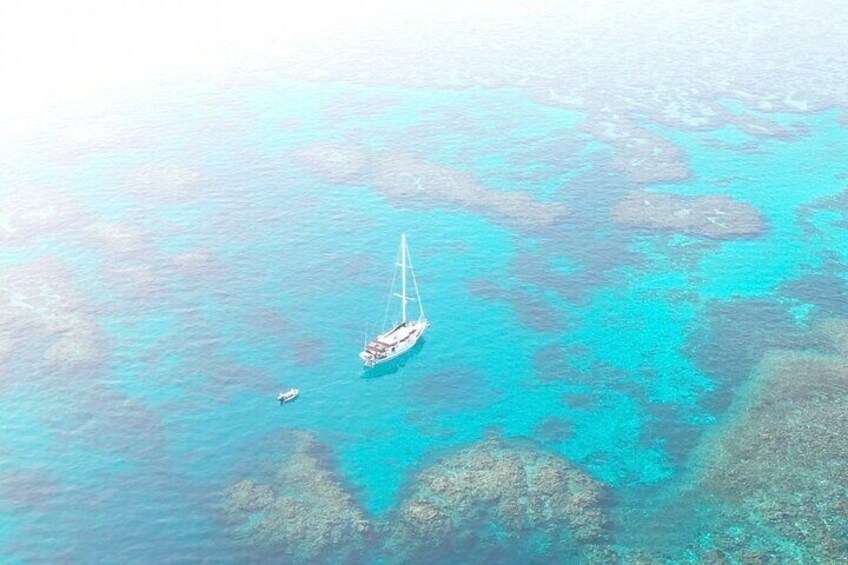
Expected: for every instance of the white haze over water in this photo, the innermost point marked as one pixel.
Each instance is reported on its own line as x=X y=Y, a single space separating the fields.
x=55 y=55
x=58 y=56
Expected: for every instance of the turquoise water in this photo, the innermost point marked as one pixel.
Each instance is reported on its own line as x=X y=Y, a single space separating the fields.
x=594 y=341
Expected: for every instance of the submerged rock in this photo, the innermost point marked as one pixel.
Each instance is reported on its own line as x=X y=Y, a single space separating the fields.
x=41 y=308
x=333 y=162
x=133 y=279
x=27 y=213
x=302 y=513
x=824 y=213
x=6 y=346
x=29 y=490
x=835 y=332
x=641 y=155
x=531 y=308
x=715 y=216
x=782 y=459
x=496 y=492
x=195 y=262
x=78 y=349
x=249 y=496
x=165 y=183
x=120 y=239
x=417 y=183
x=554 y=429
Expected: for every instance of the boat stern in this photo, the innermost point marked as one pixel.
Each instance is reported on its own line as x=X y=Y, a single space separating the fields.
x=367 y=358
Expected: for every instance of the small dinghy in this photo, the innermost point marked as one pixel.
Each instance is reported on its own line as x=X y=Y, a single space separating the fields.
x=284 y=397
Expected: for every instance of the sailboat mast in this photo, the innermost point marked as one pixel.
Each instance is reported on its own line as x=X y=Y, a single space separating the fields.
x=403 y=281
x=415 y=285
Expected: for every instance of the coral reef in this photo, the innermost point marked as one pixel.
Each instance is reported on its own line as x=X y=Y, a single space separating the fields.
x=781 y=459
x=833 y=210
x=78 y=346
x=554 y=429
x=195 y=262
x=717 y=216
x=416 y=183
x=686 y=81
x=249 y=496
x=498 y=492
x=271 y=321
x=684 y=66
x=532 y=308
x=730 y=342
x=134 y=279
x=6 y=345
x=333 y=162
x=641 y=155
x=105 y=419
x=558 y=362
x=164 y=183
x=310 y=352
x=835 y=332
x=118 y=238
x=827 y=290
x=411 y=182
x=40 y=306
x=30 y=491
x=303 y=513
x=29 y=212
x=454 y=389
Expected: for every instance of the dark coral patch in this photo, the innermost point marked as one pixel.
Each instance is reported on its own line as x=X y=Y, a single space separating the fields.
x=302 y=512
x=455 y=389
x=42 y=308
x=718 y=216
x=166 y=183
x=731 y=340
x=781 y=458
x=334 y=162
x=498 y=494
x=554 y=430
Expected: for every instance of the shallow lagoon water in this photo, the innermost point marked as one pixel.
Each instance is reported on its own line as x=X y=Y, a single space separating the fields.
x=238 y=272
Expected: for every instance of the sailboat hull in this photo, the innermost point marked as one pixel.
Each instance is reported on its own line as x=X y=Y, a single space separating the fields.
x=394 y=343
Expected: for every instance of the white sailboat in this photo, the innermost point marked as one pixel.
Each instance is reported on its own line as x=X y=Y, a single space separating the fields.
x=406 y=333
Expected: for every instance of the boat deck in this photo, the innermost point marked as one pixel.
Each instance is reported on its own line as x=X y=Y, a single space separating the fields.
x=387 y=342
x=397 y=335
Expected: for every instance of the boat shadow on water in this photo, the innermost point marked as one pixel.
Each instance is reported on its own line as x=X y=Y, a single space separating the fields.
x=395 y=365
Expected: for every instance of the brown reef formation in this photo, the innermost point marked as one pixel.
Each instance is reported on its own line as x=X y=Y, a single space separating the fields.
x=197 y=262
x=165 y=183
x=414 y=183
x=781 y=460
x=302 y=512
x=530 y=307
x=29 y=215
x=44 y=313
x=715 y=216
x=333 y=162
x=835 y=206
x=641 y=155
x=497 y=491
x=118 y=238
x=134 y=279
x=29 y=212
x=686 y=65
x=493 y=494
